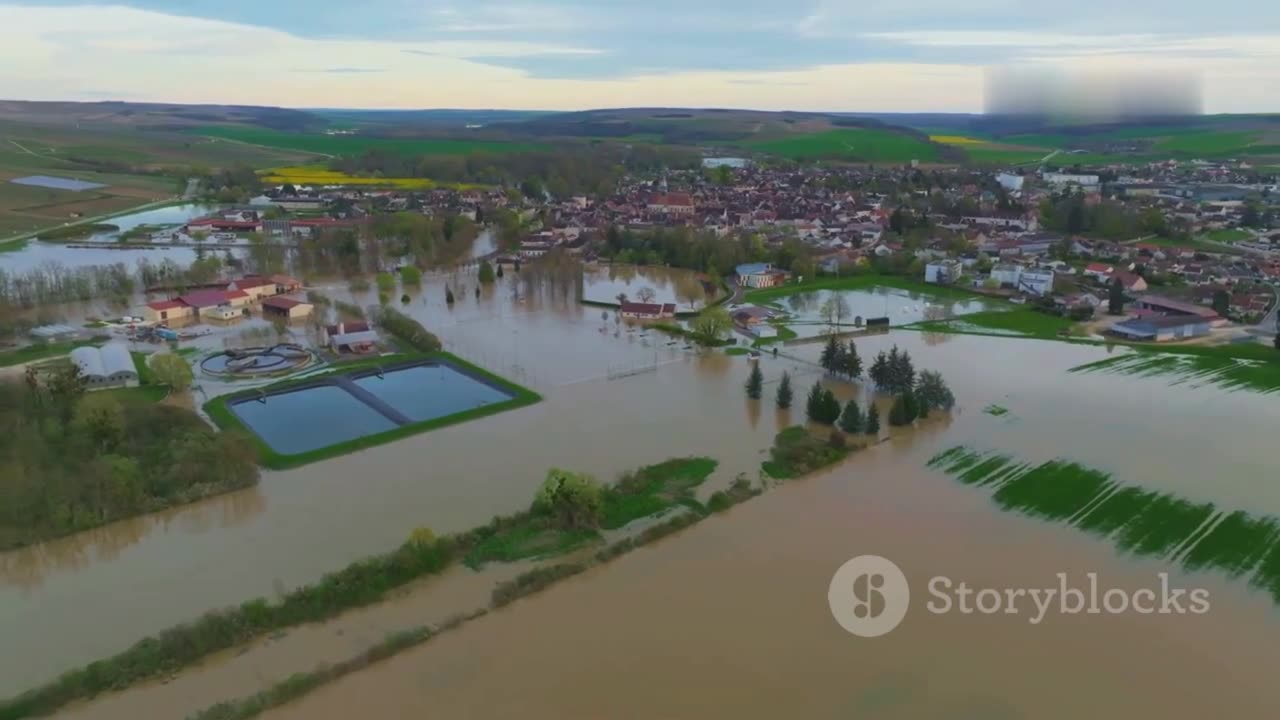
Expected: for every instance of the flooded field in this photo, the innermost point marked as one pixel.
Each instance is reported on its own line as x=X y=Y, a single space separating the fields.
x=681 y=288
x=1203 y=443
x=902 y=307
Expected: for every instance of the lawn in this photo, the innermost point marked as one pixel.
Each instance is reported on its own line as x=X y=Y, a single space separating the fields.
x=356 y=144
x=1228 y=235
x=40 y=351
x=219 y=410
x=863 y=144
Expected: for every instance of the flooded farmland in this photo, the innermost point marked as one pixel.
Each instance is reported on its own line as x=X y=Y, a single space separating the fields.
x=618 y=397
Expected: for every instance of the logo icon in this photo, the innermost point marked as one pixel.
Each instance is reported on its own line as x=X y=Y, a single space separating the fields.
x=869 y=596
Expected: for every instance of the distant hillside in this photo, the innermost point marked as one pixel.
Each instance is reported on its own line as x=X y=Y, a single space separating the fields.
x=153 y=115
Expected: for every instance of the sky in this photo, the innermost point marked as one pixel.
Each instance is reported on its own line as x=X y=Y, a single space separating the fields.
x=823 y=55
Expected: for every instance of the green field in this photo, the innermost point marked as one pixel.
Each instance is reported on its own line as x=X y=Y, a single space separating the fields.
x=1207 y=143
x=1260 y=376
x=850 y=144
x=355 y=144
x=987 y=155
x=1228 y=235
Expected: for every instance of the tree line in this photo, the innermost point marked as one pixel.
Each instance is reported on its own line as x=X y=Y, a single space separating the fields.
x=71 y=460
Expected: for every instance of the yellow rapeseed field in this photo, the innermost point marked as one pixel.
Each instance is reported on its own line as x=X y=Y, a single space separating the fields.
x=316 y=175
x=956 y=140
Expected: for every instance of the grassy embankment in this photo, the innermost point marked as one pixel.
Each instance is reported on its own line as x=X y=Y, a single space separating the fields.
x=649 y=492
x=797 y=452
x=1143 y=522
x=1248 y=369
x=220 y=412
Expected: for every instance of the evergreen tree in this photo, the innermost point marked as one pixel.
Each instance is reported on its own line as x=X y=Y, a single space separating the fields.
x=830 y=408
x=880 y=370
x=1276 y=342
x=852 y=365
x=1115 y=298
x=932 y=392
x=873 y=420
x=813 y=406
x=830 y=355
x=448 y=295
x=898 y=412
x=499 y=271
x=851 y=419
x=784 y=391
x=755 y=383
x=911 y=404
x=486 y=272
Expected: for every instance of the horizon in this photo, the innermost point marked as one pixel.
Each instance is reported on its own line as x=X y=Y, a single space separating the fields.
x=917 y=56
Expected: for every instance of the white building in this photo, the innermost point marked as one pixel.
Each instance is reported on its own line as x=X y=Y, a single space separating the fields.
x=943 y=272
x=109 y=366
x=1010 y=182
x=1063 y=179
x=1026 y=280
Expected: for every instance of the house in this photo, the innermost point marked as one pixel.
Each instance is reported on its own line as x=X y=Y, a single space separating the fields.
x=1010 y=182
x=943 y=272
x=1162 y=329
x=255 y=286
x=749 y=316
x=109 y=366
x=1157 y=306
x=672 y=204
x=1006 y=275
x=1063 y=179
x=352 y=337
x=222 y=312
x=201 y=300
x=166 y=311
x=1098 y=271
x=287 y=308
x=1130 y=281
x=759 y=275
x=1036 y=282
x=646 y=311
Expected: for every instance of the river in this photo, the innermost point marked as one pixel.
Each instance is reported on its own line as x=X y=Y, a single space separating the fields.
x=149 y=573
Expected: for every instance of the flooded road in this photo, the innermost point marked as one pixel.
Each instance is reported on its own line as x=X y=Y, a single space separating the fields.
x=150 y=573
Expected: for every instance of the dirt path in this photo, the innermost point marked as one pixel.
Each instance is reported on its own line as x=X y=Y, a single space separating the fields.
x=246 y=670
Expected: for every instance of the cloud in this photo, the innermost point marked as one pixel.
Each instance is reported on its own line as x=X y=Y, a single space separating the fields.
x=340 y=70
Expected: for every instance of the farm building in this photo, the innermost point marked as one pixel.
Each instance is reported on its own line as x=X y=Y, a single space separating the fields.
x=201 y=300
x=1155 y=305
x=223 y=312
x=1162 y=329
x=164 y=311
x=256 y=287
x=109 y=366
x=353 y=337
x=646 y=311
x=287 y=308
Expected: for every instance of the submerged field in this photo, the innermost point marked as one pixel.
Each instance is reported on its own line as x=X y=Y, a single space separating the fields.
x=851 y=144
x=323 y=144
x=1142 y=522
x=1227 y=373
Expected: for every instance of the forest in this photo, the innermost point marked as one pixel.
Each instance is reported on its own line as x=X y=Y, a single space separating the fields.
x=71 y=460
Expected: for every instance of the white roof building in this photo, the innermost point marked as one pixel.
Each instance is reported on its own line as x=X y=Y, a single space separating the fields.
x=107 y=366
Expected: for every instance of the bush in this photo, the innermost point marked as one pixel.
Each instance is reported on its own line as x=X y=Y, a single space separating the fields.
x=410 y=275
x=575 y=499
x=798 y=452
x=408 y=330
x=386 y=283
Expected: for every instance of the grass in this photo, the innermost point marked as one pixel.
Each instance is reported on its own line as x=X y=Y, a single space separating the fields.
x=784 y=334
x=994 y=155
x=864 y=144
x=654 y=489
x=323 y=144
x=528 y=536
x=220 y=412
x=1137 y=521
x=76 y=232
x=737 y=351
x=995 y=410
x=1221 y=371
x=1022 y=322
x=1228 y=235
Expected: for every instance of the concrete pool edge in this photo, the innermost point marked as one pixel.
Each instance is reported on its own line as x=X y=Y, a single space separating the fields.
x=220 y=411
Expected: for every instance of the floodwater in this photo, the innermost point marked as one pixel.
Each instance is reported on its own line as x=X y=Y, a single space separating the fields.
x=664 y=401
x=681 y=288
x=38 y=253
x=426 y=392
x=902 y=307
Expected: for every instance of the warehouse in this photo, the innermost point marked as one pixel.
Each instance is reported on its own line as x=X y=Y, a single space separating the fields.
x=109 y=366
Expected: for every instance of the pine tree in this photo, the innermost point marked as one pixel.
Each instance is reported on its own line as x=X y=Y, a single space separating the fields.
x=448 y=295
x=784 y=391
x=830 y=408
x=932 y=392
x=911 y=405
x=830 y=355
x=898 y=412
x=755 y=383
x=1115 y=297
x=499 y=271
x=852 y=363
x=813 y=406
x=851 y=419
x=873 y=420
x=880 y=370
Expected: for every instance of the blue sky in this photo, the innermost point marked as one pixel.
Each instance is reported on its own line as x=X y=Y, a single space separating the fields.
x=874 y=55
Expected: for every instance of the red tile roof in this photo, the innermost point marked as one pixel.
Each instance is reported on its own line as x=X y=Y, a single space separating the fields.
x=165 y=305
x=282 y=303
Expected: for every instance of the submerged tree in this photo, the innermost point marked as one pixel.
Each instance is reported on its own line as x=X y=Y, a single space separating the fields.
x=448 y=295
x=784 y=392
x=711 y=324
x=850 y=362
x=486 y=272
x=755 y=383
x=574 y=499
x=932 y=393
x=822 y=406
x=873 y=420
x=851 y=419
x=1115 y=297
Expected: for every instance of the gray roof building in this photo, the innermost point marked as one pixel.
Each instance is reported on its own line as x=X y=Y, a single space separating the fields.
x=107 y=366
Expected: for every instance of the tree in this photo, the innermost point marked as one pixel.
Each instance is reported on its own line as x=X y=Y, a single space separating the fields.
x=932 y=393
x=711 y=324
x=574 y=499
x=784 y=391
x=448 y=295
x=851 y=419
x=646 y=294
x=835 y=310
x=1221 y=302
x=851 y=364
x=880 y=370
x=486 y=272
x=822 y=406
x=830 y=354
x=172 y=370
x=1276 y=342
x=101 y=419
x=499 y=273
x=900 y=412
x=755 y=383
x=873 y=420
x=1115 y=297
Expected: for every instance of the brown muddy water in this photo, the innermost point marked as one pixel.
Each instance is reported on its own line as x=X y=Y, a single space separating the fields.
x=147 y=574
